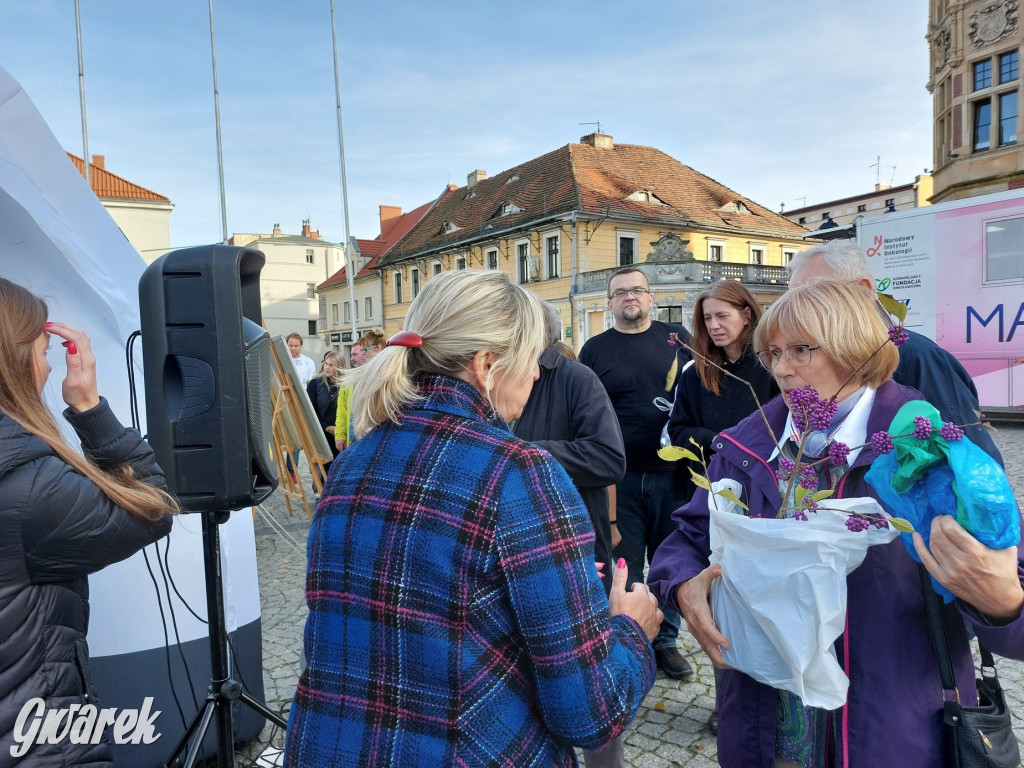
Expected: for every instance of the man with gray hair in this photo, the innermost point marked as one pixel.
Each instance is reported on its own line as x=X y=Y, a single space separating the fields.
x=924 y=365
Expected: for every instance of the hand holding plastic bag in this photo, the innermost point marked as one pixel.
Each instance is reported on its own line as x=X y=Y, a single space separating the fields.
x=781 y=600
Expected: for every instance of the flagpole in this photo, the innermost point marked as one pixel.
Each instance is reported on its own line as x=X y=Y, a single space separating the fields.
x=220 y=147
x=81 y=96
x=344 y=184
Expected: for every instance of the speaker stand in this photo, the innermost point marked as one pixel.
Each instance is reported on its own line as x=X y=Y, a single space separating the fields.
x=223 y=690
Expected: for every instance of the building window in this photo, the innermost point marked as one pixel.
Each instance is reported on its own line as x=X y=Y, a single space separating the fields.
x=1008 y=67
x=310 y=290
x=414 y=274
x=861 y=208
x=1008 y=118
x=716 y=251
x=355 y=306
x=310 y=259
x=334 y=314
x=523 y=260
x=670 y=315
x=492 y=259
x=890 y=201
x=802 y=220
x=398 y=288
x=437 y=267
x=825 y=215
x=369 y=308
x=627 y=250
x=982 y=124
x=1004 y=258
x=311 y=328
x=756 y=255
x=787 y=255
x=348 y=312
x=460 y=263
x=982 y=74
x=553 y=259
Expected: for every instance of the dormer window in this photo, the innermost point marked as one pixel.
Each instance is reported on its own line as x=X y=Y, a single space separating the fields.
x=507 y=209
x=645 y=196
x=735 y=206
x=449 y=227
x=512 y=179
x=470 y=196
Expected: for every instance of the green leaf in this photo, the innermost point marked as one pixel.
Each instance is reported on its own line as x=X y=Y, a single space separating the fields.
x=801 y=494
x=700 y=481
x=671 y=378
x=822 y=495
x=901 y=525
x=675 y=453
x=725 y=493
x=895 y=308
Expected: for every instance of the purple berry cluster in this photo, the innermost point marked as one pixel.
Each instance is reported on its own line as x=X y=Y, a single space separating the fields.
x=898 y=336
x=857 y=524
x=809 y=409
x=951 y=431
x=785 y=469
x=922 y=427
x=808 y=479
x=837 y=453
x=881 y=442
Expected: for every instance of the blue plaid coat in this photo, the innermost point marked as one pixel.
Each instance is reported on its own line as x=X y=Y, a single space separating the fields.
x=456 y=617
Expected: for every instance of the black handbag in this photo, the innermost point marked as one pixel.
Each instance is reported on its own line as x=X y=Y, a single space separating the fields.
x=975 y=737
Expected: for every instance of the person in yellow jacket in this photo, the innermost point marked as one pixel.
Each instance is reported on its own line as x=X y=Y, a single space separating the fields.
x=343 y=421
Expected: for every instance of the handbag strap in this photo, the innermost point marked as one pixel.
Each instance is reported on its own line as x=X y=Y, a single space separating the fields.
x=937 y=632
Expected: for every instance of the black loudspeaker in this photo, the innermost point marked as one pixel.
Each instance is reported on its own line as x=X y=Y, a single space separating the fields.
x=207 y=368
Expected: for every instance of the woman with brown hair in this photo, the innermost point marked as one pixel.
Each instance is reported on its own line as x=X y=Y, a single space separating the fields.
x=62 y=516
x=707 y=399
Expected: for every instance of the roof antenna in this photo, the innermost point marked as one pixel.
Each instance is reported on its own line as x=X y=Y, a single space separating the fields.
x=595 y=122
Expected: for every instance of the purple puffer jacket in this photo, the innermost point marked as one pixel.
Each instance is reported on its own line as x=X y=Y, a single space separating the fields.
x=894 y=705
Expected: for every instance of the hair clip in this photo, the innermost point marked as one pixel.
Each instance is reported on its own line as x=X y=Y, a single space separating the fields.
x=405 y=339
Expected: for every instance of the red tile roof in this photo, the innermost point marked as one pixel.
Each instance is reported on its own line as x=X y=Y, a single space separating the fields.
x=381 y=244
x=593 y=180
x=107 y=184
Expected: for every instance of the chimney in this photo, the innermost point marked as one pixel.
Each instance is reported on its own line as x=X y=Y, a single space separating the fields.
x=277 y=229
x=315 y=234
x=305 y=227
x=100 y=161
x=389 y=216
x=598 y=140
x=475 y=177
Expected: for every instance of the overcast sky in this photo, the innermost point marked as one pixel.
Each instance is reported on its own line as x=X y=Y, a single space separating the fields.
x=780 y=101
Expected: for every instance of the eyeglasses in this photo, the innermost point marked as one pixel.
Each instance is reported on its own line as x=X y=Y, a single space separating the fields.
x=638 y=292
x=798 y=354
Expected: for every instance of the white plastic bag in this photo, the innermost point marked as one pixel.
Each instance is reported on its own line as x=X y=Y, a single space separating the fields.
x=781 y=600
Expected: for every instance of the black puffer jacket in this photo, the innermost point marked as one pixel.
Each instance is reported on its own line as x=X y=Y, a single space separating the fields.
x=56 y=527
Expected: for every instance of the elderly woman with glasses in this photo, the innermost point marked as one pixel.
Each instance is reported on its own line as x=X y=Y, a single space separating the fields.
x=828 y=335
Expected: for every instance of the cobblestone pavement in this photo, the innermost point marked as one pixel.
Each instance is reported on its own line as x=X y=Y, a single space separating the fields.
x=670 y=728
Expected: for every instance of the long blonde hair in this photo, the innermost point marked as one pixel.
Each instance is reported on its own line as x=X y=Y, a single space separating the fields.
x=22 y=320
x=457 y=314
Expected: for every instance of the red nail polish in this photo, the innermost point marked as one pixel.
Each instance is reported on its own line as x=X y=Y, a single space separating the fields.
x=47 y=325
x=621 y=563
x=65 y=344
x=72 y=348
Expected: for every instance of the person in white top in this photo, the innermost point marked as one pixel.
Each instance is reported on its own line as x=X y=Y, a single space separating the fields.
x=305 y=367
x=306 y=370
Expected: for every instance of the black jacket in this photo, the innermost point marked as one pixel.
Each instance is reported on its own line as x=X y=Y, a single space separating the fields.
x=570 y=416
x=56 y=527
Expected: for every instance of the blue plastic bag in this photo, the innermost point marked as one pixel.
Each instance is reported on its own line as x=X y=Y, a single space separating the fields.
x=921 y=479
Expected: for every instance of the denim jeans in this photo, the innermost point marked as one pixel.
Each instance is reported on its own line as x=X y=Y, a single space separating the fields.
x=644 y=505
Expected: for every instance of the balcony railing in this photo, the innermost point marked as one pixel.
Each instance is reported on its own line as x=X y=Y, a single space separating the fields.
x=674 y=272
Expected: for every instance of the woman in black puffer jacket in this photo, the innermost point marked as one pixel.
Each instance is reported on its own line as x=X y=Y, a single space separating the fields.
x=62 y=517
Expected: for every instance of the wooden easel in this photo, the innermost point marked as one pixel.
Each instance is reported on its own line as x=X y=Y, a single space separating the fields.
x=286 y=402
